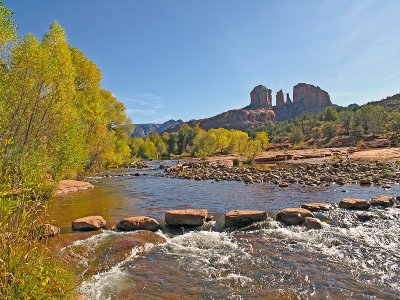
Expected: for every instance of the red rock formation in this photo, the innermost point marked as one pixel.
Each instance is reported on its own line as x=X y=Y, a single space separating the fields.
x=288 y=100
x=260 y=97
x=313 y=97
x=279 y=98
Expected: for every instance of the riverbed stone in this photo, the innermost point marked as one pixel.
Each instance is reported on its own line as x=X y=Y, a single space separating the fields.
x=89 y=223
x=183 y=217
x=240 y=218
x=67 y=186
x=138 y=223
x=312 y=223
x=355 y=204
x=293 y=216
x=283 y=184
x=382 y=200
x=318 y=206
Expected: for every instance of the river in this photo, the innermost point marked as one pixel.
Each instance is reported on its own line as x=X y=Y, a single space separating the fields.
x=347 y=259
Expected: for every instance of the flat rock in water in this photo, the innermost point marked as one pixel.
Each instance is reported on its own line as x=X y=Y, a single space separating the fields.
x=382 y=200
x=355 y=204
x=293 y=216
x=240 y=218
x=138 y=223
x=89 y=223
x=319 y=206
x=312 y=223
x=191 y=217
x=67 y=186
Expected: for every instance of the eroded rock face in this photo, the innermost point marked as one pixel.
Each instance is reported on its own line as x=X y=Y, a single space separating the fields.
x=260 y=97
x=237 y=119
x=138 y=223
x=293 y=216
x=312 y=96
x=184 y=217
x=89 y=223
x=382 y=200
x=241 y=218
x=355 y=204
x=318 y=206
x=280 y=101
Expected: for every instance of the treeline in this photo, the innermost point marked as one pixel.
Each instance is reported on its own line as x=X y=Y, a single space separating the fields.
x=365 y=120
x=197 y=142
x=55 y=119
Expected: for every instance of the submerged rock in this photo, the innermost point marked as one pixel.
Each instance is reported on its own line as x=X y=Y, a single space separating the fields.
x=240 y=218
x=364 y=217
x=382 y=200
x=89 y=223
x=319 y=206
x=138 y=223
x=356 y=204
x=191 y=217
x=293 y=216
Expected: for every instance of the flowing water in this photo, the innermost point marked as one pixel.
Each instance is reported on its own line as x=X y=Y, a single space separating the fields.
x=347 y=259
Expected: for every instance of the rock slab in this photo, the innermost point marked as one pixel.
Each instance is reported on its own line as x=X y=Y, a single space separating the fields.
x=241 y=218
x=355 y=204
x=191 y=217
x=89 y=223
x=293 y=216
x=67 y=186
x=138 y=223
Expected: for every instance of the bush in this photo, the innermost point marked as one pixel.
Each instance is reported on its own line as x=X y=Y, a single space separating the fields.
x=236 y=162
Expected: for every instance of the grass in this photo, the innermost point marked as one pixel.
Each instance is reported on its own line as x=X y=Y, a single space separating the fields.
x=28 y=270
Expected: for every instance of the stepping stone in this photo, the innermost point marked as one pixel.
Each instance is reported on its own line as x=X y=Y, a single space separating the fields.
x=355 y=204
x=138 y=223
x=293 y=216
x=382 y=200
x=191 y=217
x=241 y=218
x=319 y=206
x=89 y=223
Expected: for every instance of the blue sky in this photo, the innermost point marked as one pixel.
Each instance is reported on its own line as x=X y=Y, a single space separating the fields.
x=191 y=59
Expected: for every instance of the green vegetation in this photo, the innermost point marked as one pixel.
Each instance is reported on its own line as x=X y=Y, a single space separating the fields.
x=197 y=142
x=56 y=122
x=332 y=122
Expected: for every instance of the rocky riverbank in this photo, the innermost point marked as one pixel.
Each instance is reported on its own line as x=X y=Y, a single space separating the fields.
x=378 y=173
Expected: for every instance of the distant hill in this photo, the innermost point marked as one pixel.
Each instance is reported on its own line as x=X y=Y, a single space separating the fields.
x=143 y=130
x=390 y=103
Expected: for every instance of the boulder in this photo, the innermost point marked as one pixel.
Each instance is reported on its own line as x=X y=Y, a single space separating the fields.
x=293 y=216
x=382 y=200
x=240 y=218
x=89 y=223
x=318 y=206
x=312 y=223
x=356 y=204
x=191 y=217
x=138 y=223
x=283 y=184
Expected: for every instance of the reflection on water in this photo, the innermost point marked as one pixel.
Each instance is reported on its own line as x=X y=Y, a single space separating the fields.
x=355 y=260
